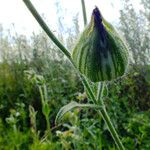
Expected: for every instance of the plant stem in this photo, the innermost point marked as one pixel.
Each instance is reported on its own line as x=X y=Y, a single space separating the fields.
x=111 y=128
x=84 y=12
x=105 y=116
x=85 y=82
x=41 y=95
x=100 y=91
x=47 y=122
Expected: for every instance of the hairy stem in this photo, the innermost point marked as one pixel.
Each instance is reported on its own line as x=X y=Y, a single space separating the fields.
x=111 y=128
x=100 y=90
x=106 y=117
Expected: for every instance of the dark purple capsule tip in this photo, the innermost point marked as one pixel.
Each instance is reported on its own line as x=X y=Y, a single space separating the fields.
x=97 y=15
x=98 y=23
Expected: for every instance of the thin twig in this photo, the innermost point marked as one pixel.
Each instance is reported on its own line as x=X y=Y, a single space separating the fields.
x=84 y=12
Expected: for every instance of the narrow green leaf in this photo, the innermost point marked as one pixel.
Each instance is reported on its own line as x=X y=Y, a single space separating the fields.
x=71 y=106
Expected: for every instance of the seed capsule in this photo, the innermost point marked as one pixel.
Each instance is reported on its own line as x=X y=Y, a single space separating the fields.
x=100 y=54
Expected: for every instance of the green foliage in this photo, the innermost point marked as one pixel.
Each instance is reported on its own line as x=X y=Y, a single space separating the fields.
x=134 y=25
x=139 y=129
x=26 y=124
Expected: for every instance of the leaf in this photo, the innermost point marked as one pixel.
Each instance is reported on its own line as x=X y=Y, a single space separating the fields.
x=71 y=106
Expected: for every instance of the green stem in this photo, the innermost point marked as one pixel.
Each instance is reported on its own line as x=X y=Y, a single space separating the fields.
x=47 y=122
x=105 y=116
x=88 y=88
x=84 y=12
x=111 y=128
x=100 y=91
x=41 y=95
x=45 y=93
x=85 y=82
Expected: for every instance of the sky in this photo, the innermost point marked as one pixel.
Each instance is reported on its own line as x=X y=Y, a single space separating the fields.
x=14 y=13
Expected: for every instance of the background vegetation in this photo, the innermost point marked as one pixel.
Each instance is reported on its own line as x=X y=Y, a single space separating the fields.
x=36 y=80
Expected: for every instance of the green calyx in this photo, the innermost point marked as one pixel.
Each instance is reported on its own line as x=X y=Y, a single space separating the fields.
x=100 y=53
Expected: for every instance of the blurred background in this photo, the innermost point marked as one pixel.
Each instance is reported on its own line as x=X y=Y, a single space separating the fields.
x=31 y=67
